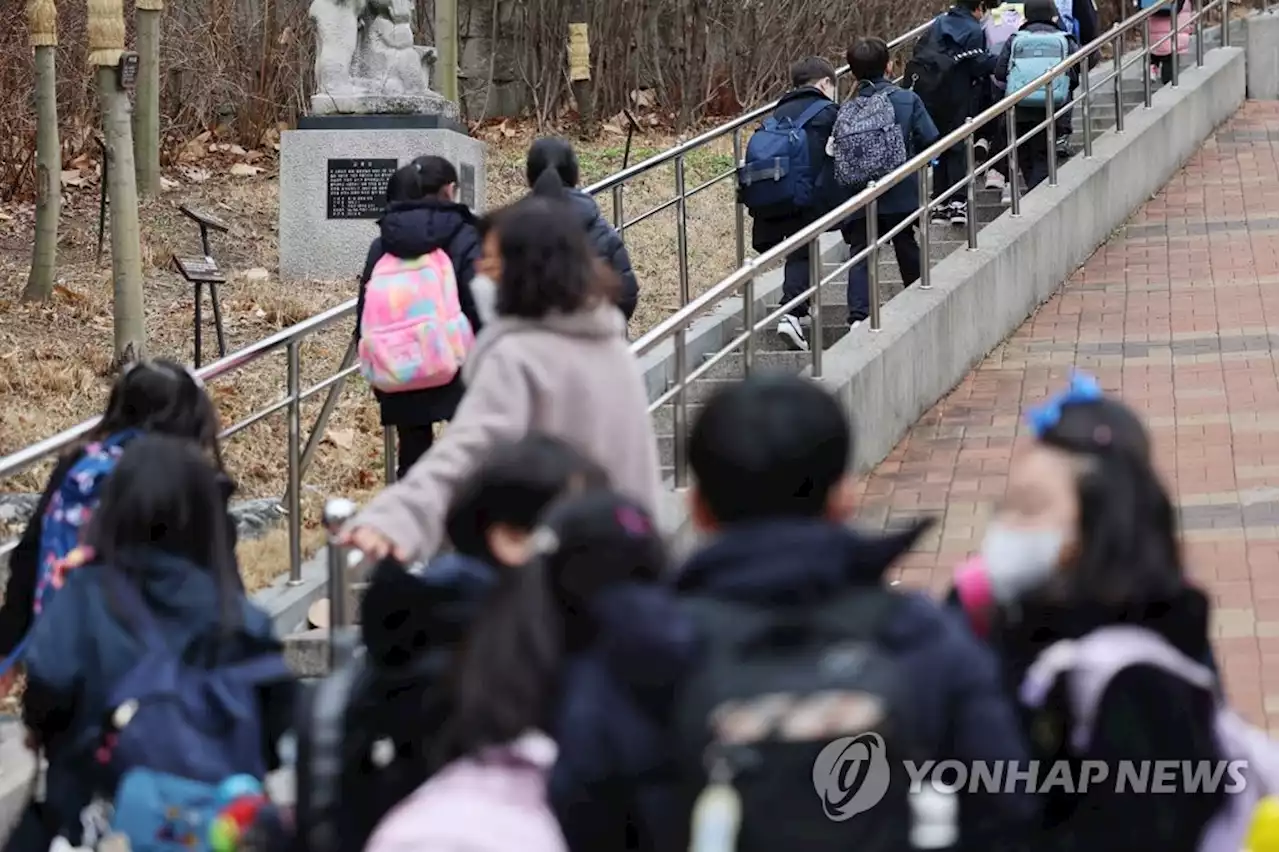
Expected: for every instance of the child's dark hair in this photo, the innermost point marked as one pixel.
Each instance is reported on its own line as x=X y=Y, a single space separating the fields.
x=508 y=678
x=162 y=397
x=868 y=58
x=164 y=495
x=1041 y=12
x=513 y=486
x=772 y=446
x=973 y=5
x=810 y=71
x=547 y=265
x=422 y=178
x=1128 y=535
x=551 y=153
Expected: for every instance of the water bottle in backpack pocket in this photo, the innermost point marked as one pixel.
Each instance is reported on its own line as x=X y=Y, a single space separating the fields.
x=176 y=731
x=413 y=333
x=777 y=179
x=1090 y=663
x=867 y=142
x=788 y=696
x=1031 y=55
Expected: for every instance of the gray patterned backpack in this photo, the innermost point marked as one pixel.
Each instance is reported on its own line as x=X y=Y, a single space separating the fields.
x=867 y=142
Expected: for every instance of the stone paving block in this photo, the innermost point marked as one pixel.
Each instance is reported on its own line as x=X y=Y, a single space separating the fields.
x=1179 y=314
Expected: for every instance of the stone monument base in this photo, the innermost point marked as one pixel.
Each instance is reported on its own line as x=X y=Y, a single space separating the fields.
x=333 y=179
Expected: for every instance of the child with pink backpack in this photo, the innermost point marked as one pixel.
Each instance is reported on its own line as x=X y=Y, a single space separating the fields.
x=1163 y=44
x=1080 y=590
x=416 y=317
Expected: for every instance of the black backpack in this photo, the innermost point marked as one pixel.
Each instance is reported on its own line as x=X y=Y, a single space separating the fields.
x=934 y=75
x=796 y=713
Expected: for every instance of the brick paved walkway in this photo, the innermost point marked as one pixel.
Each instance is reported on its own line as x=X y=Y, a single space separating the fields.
x=1178 y=314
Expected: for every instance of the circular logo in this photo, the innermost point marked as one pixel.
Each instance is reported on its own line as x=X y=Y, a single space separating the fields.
x=851 y=775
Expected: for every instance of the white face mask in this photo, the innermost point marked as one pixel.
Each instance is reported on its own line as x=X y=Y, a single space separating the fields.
x=485 y=293
x=1019 y=560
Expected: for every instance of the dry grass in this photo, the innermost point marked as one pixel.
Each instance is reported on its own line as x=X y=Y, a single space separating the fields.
x=55 y=358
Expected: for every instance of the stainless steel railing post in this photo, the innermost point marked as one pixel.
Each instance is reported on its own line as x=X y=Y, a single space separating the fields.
x=293 y=505
x=682 y=231
x=1117 y=50
x=739 y=212
x=618 y=222
x=681 y=412
x=1199 y=7
x=970 y=187
x=337 y=512
x=1174 y=30
x=925 y=193
x=1086 y=112
x=1146 y=63
x=872 y=260
x=1051 y=133
x=815 y=305
x=1015 y=193
x=749 y=325
x=389 y=437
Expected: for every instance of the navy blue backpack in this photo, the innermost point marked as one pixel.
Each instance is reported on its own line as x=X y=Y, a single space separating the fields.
x=777 y=178
x=175 y=731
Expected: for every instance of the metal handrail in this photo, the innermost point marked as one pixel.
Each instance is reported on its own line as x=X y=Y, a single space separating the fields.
x=676 y=326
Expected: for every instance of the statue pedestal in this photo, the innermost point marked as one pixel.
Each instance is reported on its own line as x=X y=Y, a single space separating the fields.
x=333 y=180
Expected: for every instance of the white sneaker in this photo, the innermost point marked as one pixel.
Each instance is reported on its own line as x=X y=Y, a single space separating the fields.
x=940 y=215
x=791 y=332
x=995 y=180
x=1006 y=194
x=855 y=324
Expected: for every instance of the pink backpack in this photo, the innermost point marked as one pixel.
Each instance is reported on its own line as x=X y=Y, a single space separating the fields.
x=495 y=801
x=413 y=333
x=1089 y=663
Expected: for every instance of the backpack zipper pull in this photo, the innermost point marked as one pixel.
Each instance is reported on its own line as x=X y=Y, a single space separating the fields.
x=717 y=815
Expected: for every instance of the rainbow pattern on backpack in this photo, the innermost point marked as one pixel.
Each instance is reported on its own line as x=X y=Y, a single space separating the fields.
x=413 y=333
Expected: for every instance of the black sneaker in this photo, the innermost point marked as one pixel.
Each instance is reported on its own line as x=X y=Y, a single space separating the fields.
x=958 y=214
x=791 y=333
x=940 y=214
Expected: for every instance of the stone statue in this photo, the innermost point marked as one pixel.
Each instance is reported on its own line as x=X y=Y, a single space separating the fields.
x=367 y=62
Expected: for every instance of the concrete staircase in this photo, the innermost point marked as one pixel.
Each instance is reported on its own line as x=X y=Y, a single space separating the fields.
x=772 y=354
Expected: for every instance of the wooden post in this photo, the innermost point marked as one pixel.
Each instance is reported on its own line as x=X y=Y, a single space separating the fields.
x=580 y=67
x=42 y=18
x=446 y=69
x=106 y=48
x=146 y=121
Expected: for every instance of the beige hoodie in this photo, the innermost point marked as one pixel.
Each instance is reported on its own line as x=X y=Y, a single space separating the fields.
x=570 y=376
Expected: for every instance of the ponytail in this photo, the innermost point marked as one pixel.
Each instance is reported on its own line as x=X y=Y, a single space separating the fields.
x=549 y=185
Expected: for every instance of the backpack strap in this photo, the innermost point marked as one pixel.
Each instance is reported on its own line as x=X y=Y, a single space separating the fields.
x=328 y=712
x=1091 y=662
x=811 y=113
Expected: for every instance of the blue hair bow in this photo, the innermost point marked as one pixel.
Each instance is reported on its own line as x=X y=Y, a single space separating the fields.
x=1083 y=388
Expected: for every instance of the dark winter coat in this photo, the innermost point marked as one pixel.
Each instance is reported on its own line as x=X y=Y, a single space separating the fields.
x=608 y=246
x=767 y=233
x=409 y=230
x=24 y=562
x=960 y=710
x=80 y=648
x=411 y=625
x=957 y=31
x=919 y=132
x=611 y=787
x=1145 y=714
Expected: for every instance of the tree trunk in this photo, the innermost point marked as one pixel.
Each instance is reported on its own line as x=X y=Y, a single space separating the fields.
x=122 y=192
x=146 y=138
x=44 y=259
x=447 y=48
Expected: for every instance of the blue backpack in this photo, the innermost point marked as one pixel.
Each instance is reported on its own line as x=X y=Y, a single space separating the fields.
x=1031 y=54
x=777 y=178
x=64 y=521
x=175 y=731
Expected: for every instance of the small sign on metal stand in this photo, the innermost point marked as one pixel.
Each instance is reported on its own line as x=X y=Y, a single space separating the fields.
x=199 y=271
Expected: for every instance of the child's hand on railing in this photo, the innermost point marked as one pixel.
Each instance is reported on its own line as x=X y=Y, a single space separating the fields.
x=373 y=544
